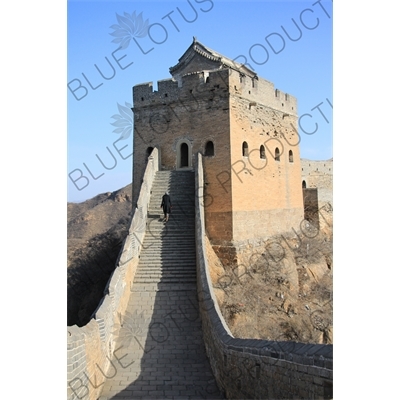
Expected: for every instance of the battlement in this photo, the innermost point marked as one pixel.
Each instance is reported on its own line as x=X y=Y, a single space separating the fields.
x=254 y=89
x=260 y=91
x=172 y=90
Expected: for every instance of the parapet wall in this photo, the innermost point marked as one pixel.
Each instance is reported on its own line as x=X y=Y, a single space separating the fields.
x=255 y=89
x=90 y=348
x=253 y=368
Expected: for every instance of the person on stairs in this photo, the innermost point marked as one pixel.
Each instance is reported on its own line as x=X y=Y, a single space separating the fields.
x=166 y=205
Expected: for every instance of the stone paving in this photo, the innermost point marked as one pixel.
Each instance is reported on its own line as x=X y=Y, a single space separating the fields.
x=161 y=351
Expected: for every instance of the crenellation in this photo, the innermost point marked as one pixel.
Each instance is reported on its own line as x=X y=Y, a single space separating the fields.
x=193 y=85
x=262 y=92
x=142 y=92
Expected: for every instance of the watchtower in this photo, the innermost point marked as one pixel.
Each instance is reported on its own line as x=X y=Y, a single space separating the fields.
x=247 y=132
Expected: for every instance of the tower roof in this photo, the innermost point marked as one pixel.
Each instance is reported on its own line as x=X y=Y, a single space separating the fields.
x=199 y=57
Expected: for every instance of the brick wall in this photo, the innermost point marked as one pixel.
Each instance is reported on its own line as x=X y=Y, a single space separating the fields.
x=267 y=196
x=251 y=368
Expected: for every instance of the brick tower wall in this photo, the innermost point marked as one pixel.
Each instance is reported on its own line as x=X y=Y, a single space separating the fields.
x=193 y=111
x=267 y=194
x=249 y=197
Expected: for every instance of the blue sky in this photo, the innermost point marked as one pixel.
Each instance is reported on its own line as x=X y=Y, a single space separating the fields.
x=257 y=30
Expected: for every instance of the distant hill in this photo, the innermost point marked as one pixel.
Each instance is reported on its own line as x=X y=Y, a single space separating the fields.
x=96 y=230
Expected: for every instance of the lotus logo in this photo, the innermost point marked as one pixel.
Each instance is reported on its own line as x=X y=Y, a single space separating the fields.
x=129 y=26
x=134 y=324
x=123 y=121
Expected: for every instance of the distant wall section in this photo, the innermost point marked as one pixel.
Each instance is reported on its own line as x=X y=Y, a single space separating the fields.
x=317 y=183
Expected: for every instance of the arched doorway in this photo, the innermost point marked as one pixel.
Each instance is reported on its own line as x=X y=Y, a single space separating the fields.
x=184 y=159
x=183 y=154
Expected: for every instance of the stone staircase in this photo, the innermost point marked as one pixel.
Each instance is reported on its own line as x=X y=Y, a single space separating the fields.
x=160 y=338
x=168 y=253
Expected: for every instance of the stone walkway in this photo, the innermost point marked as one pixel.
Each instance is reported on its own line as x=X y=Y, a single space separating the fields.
x=161 y=351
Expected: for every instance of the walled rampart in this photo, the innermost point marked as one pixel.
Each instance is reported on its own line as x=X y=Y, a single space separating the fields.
x=251 y=368
x=318 y=176
x=90 y=348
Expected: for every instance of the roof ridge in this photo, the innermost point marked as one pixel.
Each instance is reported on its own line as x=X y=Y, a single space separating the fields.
x=212 y=55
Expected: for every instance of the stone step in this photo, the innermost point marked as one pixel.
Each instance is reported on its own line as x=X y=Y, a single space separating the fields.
x=156 y=210
x=154 y=265
x=168 y=264
x=160 y=186
x=168 y=251
x=168 y=237
x=164 y=244
x=173 y=245
x=157 y=213
x=165 y=272
x=163 y=287
x=167 y=261
x=173 y=221
x=166 y=267
x=165 y=280
x=180 y=279
x=178 y=231
x=183 y=274
x=180 y=258
x=169 y=258
x=168 y=254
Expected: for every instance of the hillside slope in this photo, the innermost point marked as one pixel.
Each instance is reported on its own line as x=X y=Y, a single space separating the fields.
x=285 y=293
x=96 y=230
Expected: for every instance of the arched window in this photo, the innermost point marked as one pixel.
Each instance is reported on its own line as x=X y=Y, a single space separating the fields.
x=262 y=152
x=245 y=149
x=183 y=154
x=303 y=185
x=277 y=155
x=290 y=156
x=209 y=150
x=184 y=161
